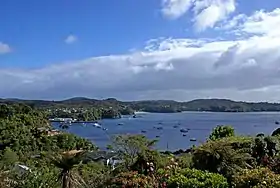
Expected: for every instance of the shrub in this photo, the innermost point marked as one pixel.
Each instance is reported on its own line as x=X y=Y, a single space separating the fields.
x=265 y=149
x=132 y=180
x=256 y=178
x=189 y=178
x=221 y=132
x=185 y=161
x=276 y=132
x=94 y=174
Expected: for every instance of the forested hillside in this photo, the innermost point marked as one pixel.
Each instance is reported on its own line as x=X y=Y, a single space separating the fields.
x=160 y=106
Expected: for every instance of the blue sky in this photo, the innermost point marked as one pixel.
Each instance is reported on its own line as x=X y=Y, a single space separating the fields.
x=37 y=30
x=39 y=36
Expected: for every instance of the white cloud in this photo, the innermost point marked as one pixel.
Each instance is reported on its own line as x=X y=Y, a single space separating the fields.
x=213 y=13
x=175 y=8
x=206 y=13
x=4 y=48
x=246 y=68
x=71 y=39
x=259 y=23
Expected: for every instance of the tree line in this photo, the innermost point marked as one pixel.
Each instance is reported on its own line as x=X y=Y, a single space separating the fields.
x=112 y=107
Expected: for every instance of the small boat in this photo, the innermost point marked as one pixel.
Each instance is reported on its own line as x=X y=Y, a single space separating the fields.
x=143 y=131
x=175 y=126
x=184 y=130
x=184 y=135
x=134 y=116
x=97 y=125
x=159 y=128
x=193 y=139
x=277 y=122
x=105 y=129
x=68 y=121
x=160 y=123
x=157 y=136
x=120 y=123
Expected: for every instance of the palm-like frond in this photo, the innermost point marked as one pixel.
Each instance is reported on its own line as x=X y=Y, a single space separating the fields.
x=67 y=161
x=219 y=156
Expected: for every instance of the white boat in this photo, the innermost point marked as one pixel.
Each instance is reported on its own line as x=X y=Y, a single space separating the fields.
x=97 y=125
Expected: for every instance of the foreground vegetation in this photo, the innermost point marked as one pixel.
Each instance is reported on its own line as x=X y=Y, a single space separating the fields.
x=64 y=160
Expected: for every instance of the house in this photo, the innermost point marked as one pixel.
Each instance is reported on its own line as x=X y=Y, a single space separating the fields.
x=22 y=169
x=49 y=132
x=53 y=132
x=108 y=158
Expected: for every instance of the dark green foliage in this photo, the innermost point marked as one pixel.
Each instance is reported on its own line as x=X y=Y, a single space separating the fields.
x=129 y=147
x=276 y=132
x=94 y=174
x=264 y=148
x=222 y=157
x=9 y=157
x=40 y=177
x=260 y=135
x=124 y=108
x=89 y=114
x=189 y=178
x=221 y=132
x=185 y=160
x=110 y=113
x=71 y=142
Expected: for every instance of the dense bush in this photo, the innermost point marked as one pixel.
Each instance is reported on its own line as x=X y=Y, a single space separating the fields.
x=189 y=178
x=221 y=157
x=256 y=178
x=276 y=132
x=130 y=147
x=221 y=132
x=95 y=174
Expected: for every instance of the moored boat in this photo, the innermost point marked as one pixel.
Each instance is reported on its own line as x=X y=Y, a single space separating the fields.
x=184 y=130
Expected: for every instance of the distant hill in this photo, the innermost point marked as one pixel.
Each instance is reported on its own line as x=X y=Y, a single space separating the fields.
x=225 y=105
x=162 y=106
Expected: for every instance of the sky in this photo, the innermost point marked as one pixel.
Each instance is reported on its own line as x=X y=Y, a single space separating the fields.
x=140 y=50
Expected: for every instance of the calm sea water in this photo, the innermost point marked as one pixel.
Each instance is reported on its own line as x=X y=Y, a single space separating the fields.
x=199 y=123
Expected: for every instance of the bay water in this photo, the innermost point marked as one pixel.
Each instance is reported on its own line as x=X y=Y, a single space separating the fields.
x=200 y=125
